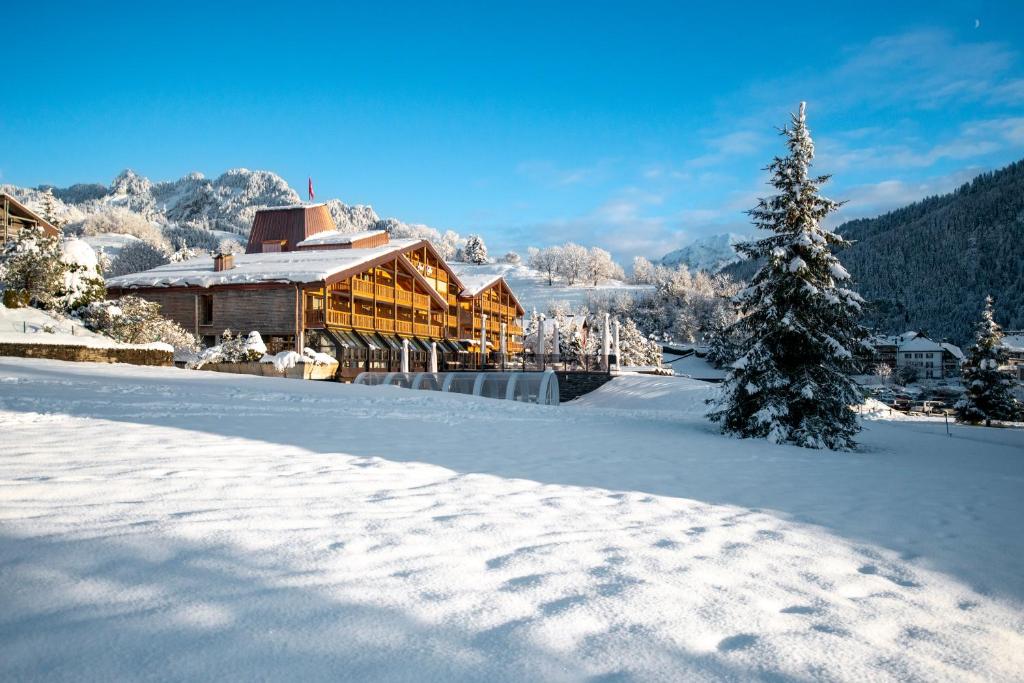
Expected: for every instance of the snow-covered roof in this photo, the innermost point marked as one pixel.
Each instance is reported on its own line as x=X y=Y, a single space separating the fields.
x=338 y=237
x=285 y=207
x=475 y=283
x=287 y=266
x=920 y=344
x=953 y=349
x=1013 y=343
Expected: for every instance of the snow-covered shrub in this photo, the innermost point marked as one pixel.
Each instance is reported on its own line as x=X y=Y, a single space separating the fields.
x=124 y=222
x=137 y=257
x=287 y=360
x=512 y=258
x=185 y=254
x=83 y=279
x=988 y=396
x=31 y=267
x=134 y=320
x=229 y=246
x=635 y=349
x=233 y=349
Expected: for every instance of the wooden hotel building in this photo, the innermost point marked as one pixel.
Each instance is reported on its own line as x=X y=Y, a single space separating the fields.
x=302 y=283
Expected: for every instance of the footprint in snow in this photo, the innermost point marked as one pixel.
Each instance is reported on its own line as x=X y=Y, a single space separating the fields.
x=740 y=641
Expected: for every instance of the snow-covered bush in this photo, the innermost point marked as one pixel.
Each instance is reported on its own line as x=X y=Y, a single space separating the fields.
x=124 y=222
x=185 y=254
x=31 y=267
x=511 y=258
x=83 y=279
x=988 y=396
x=134 y=320
x=229 y=246
x=137 y=257
x=286 y=360
x=635 y=349
x=233 y=349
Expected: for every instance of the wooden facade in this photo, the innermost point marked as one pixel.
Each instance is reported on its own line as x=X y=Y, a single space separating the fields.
x=402 y=289
x=15 y=217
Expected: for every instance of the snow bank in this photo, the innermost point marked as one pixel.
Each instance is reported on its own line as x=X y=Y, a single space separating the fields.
x=33 y=326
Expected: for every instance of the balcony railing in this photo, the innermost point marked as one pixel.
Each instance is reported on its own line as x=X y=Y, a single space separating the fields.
x=421 y=300
x=314 y=318
x=403 y=297
x=362 y=322
x=421 y=330
x=362 y=288
x=339 y=318
x=403 y=327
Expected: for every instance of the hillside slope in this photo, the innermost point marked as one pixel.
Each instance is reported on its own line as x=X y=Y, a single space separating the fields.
x=928 y=266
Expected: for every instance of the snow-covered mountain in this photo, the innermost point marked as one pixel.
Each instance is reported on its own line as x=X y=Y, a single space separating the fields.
x=708 y=253
x=227 y=202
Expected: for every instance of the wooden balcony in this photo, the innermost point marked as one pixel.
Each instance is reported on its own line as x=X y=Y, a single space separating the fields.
x=339 y=319
x=403 y=327
x=421 y=330
x=314 y=318
x=403 y=297
x=362 y=288
x=385 y=324
x=362 y=322
x=421 y=301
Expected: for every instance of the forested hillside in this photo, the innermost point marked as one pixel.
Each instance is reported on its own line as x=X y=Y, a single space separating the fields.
x=928 y=266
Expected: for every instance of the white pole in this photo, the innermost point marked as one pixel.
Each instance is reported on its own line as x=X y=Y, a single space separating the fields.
x=405 y=355
x=433 y=357
x=483 y=339
x=555 y=343
x=605 y=340
x=504 y=346
x=618 y=362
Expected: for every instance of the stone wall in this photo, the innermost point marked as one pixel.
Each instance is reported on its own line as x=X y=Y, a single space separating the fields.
x=575 y=384
x=88 y=354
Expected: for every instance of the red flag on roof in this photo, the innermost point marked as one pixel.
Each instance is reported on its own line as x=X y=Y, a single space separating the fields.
x=311 y=195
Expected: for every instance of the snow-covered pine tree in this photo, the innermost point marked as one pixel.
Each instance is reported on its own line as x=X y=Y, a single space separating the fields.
x=798 y=327
x=988 y=394
x=475 y=250
x=50 y=209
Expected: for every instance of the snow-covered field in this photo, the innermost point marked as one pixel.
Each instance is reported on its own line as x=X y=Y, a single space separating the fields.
x=532 y=289
x=33 y=326
x=166 y=524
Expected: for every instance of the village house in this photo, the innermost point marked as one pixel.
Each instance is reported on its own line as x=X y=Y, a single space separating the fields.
x=358 y=297
x=1013 y=346
x=15 y=217
x=931 y=360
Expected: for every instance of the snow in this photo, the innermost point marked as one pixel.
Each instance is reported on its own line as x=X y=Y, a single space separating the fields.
x=708 y=253
x=31 y=325
x=338 y=237
x=920 y=344
x=290 y=266
x=531 y=286
x=161 y=523
x=110 y=243
x=1013 y=343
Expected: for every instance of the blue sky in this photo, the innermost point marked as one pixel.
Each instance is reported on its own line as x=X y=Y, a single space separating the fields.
x=635 y=126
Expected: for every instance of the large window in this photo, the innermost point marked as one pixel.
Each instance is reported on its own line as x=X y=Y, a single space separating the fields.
x=205 y=309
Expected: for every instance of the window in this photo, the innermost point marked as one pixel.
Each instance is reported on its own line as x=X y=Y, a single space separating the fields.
x=272 y=247
x=205 y=309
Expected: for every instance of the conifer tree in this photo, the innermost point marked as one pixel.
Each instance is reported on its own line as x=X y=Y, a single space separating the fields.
x=988 y=394
x=475 y=250
x=50 y=209
x=798 y=327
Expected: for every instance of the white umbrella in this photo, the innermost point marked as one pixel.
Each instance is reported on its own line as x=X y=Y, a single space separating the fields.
x=433 y=357
x=540 y=343
x=483 y=339
x=504 y=347
x=618 y=361
x=405 y=355
x=555 y=343
x=605 y=341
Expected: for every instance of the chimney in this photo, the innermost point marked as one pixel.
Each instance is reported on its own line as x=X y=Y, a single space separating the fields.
x=223 y=262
